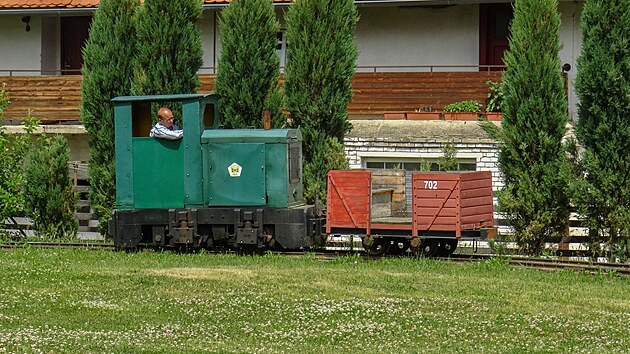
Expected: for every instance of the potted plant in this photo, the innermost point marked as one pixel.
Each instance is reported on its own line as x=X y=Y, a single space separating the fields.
x=394 y=115
x=495 y=100
x=463 y=110
x=424 y=113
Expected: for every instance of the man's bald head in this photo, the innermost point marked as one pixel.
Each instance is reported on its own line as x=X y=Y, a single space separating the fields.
x=166 y=117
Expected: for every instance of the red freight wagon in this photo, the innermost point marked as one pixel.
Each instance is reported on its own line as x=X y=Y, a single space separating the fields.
x=443 y=207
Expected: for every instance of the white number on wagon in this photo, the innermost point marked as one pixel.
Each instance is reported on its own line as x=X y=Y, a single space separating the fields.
x=430 y=185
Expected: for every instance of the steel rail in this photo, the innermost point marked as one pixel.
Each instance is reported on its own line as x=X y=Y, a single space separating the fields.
x=84 y=245
x=556 y=263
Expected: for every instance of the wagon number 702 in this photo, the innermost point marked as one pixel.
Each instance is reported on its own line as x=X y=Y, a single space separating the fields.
x=430 y=185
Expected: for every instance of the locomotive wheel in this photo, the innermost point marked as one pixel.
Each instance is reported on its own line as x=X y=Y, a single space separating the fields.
x=428 y=248
x=447 y=247
x=379 y=246
x=398 y=246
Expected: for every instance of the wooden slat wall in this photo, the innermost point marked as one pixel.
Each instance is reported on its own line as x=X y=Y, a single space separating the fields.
x=375 y=93
x=57 y=98
x=476 y=203
x=207 y=83
x=51 y=98
x=348 y=202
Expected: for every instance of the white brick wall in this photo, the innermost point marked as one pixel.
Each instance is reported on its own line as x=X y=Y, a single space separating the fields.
x=485 y=154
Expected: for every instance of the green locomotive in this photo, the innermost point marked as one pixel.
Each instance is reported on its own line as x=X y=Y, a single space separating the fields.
x=234 y=188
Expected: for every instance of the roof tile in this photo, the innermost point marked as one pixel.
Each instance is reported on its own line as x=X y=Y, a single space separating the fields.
x=40 y=4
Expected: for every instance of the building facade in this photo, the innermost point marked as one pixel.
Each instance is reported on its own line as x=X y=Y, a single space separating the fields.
x=46 y=37
x=40 y=37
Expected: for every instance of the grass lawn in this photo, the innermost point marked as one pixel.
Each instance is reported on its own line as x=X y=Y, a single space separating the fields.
x=82 y=301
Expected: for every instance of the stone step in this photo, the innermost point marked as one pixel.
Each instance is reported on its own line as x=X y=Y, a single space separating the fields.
x=81 y=189
x=84 y=216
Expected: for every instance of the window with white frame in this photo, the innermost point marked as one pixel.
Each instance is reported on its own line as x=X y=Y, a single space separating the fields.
x=416 y=164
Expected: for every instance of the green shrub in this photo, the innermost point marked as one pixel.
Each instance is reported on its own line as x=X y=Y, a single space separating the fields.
x=49 y=197
x=13 y=150
x=329 y=155
x=4 y=100
x=448 y=160
x=495 y=96
x=249 y=67
x=463 y=106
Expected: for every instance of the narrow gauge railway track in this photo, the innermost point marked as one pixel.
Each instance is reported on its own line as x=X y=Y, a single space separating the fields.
x=84 y=245
x=547 y=264
x=585 y=266
x=550 y=264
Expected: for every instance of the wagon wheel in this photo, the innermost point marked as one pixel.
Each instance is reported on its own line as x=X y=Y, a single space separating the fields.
x=427 y=248
x=379 y=246
x=447 y=247
x=398 y=246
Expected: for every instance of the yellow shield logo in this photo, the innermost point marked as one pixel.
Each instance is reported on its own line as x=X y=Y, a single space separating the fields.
x=234 y=170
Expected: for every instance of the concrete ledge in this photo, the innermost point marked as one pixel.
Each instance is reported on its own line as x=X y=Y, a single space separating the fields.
x=419 y=131
x=73 y=129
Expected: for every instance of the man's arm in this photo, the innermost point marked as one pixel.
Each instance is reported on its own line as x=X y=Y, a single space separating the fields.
x=160 y=131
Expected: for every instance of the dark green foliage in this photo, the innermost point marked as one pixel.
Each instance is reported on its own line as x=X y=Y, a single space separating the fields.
x=49 y=198
x=10 y=185
x=328 y=155
x=531 y=156
x=107 y=73
x=4 y=99
x=249 y=67
x=13 y=183
x=12 y=151
x=495 y=96
x=603 y=129
x=169 y=52
x=318 y=78
x=463 y=106
x=448 y=161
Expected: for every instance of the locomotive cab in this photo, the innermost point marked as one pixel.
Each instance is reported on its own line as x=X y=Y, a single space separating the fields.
x=149 y=171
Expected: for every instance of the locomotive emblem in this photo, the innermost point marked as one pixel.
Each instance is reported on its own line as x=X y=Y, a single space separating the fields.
x=235 y=170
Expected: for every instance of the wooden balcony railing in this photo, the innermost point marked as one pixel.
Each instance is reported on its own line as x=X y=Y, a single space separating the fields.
x=50 y=98
x=57 y=98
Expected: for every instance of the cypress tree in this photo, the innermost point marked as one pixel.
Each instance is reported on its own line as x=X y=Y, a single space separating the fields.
x=318 y=80
x=248 y=70
x=169 y=52
x=49 y=198
x=531 y=155
x=107 y=73
x=603 y=129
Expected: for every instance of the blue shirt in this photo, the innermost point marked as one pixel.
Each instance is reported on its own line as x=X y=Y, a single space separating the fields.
x=160 y=131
